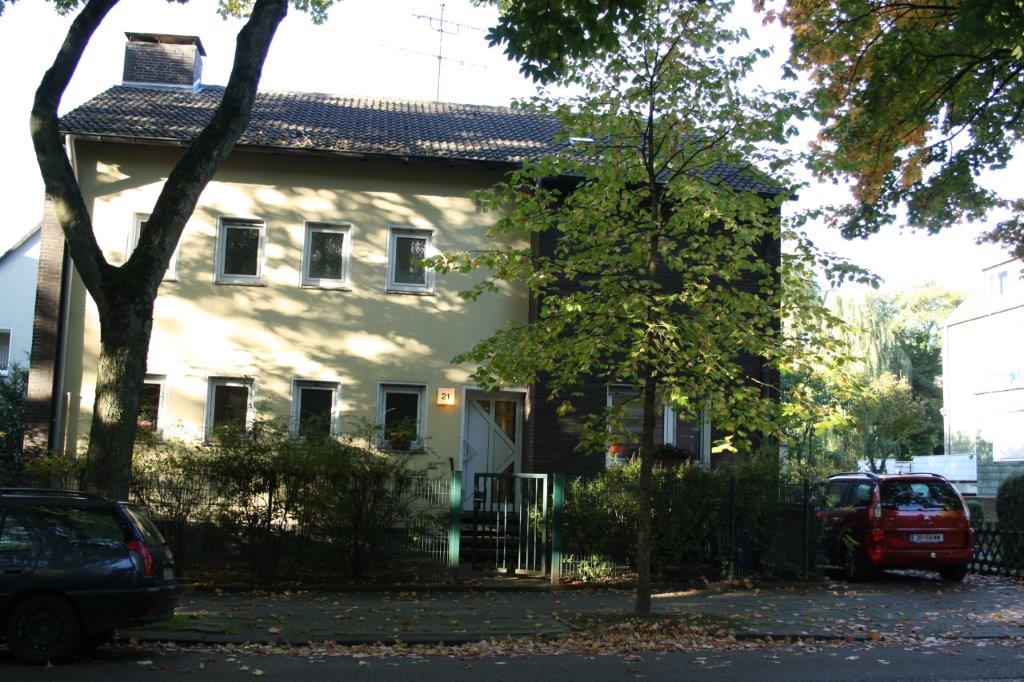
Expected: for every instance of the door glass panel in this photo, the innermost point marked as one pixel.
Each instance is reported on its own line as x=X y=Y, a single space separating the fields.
x=505 y=417
x=485 y=405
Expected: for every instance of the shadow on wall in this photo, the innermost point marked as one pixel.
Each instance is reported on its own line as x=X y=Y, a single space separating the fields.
x=283 y=330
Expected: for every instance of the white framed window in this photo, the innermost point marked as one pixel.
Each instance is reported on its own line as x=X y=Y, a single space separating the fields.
x=624 y=438
x=407 y=247
x=316 y=407
x=5 y=351
x=326 y=254
x=151 y=403
x=401 y=414
x=139 y=221
x=241 y=243
x=229 y=403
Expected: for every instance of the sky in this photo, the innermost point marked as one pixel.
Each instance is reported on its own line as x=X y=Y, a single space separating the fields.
x=381 y=48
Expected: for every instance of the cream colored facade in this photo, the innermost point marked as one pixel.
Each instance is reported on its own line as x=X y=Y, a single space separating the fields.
x=281 y=331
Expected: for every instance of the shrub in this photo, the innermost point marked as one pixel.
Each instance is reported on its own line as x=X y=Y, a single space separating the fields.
x=691 y=515
x=317 y=504
x=1010 y=501
x=977 y=513
x=12 y=421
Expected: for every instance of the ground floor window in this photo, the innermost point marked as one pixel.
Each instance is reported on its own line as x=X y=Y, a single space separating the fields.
x=150 y=403
x=315 y=407
x=401 y=415
x=680 y=439
x=228 y=403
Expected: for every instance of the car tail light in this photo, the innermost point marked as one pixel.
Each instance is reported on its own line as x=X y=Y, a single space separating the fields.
x=142 y=558
x=875 y=512
x=875 y=544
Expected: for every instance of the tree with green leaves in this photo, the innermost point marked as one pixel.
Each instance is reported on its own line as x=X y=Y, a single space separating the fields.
x=13 y=415
x=661 y=271
x=886 y=418
x=915 y=100
x=125 y=294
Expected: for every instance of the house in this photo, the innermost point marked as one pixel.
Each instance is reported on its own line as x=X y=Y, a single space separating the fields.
x=297 y=285
x=983 y=376
x=18 y=283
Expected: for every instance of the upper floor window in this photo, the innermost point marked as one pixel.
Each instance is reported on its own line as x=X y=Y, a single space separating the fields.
x=139 y=221
x=325 y=255
x=240 y=247
x=5 y=351
x=407 y=247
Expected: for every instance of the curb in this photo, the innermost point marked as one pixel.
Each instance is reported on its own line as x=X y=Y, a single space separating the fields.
x=456 y=640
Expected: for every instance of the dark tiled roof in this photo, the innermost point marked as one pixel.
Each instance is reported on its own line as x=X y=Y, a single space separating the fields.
x=315 y=121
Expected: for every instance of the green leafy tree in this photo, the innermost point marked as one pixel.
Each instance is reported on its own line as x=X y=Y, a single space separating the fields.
x=915 y=101
x=661 y=274
x=13 y=413
x=886 y=419
x=125 y=294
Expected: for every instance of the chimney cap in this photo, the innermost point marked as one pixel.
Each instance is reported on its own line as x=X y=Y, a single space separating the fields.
x=167 y=39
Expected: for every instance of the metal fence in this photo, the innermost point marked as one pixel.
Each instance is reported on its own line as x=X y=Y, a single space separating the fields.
x=709 y=525
x=399 y=532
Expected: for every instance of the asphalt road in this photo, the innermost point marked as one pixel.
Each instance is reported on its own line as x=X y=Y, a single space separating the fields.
x=984 y=660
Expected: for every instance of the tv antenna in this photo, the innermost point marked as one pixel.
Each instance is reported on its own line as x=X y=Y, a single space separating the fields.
x=444 y=27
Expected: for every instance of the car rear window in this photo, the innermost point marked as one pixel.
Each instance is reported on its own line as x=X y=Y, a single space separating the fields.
x=919 y=495
x=149 y=529
x=95 y=526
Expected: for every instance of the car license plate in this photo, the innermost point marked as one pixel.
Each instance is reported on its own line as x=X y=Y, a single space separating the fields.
x=926 y=537
x=168 y=573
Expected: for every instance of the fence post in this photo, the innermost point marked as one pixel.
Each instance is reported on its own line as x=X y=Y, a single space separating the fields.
x=732 y=526
x=557 y=526
x=807 y=529
x=454 y=521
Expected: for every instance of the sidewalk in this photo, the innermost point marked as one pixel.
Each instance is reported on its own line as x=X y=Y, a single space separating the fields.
x=898 y=606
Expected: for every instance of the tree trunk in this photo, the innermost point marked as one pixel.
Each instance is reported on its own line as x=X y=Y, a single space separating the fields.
x=124 y=342
x=645 y=496
x=124 y=295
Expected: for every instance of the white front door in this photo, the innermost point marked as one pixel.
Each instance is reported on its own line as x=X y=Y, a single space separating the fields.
x=493 y=439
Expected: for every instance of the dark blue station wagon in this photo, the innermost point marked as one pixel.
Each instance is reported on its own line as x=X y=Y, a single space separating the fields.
x=73 y=567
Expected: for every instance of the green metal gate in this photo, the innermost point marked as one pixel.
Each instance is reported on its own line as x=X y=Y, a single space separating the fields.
x=511 y=524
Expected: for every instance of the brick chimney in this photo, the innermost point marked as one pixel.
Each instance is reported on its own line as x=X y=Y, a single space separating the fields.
x=159 y=60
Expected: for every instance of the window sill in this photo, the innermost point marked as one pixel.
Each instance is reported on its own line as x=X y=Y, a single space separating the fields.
x=411 y=292
x=241 y=282
x=327 y=287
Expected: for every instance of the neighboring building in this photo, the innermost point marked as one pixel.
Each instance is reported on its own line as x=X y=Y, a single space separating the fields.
x=983 y=376
x=296 y=284
x=18 y=291
x=961 y=470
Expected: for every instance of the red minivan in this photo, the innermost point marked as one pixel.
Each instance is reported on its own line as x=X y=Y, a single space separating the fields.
x=870 y=522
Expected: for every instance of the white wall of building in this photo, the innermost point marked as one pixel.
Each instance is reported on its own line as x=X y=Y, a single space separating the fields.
x=983 y=375
x=18 y=295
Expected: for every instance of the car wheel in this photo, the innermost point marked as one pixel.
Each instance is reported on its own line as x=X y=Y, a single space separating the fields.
x=953 y=573
x=854 y=568
x=44 y=629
